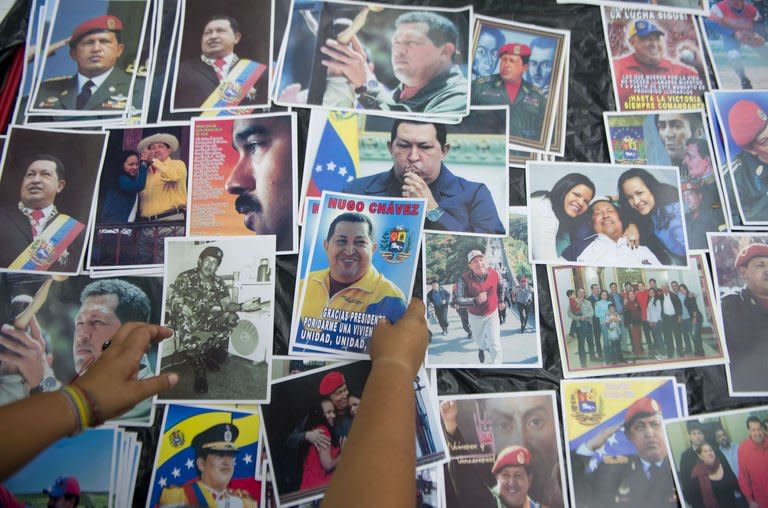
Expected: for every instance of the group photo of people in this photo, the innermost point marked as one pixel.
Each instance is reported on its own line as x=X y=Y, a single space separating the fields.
x=606 y=215
x=626 y=318
x=719 y=460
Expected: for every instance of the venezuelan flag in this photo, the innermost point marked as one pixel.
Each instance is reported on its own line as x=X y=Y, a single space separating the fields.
x=175 y=461
x=337 y=161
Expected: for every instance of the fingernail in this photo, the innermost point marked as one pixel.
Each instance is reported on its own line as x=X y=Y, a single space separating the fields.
x=173 y=378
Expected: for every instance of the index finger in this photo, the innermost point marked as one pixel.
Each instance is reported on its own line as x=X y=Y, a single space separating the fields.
x=141 y=335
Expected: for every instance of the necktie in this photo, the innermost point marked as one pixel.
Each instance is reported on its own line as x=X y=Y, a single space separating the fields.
x=36 y=216
x=219 y=64
x=85 y=94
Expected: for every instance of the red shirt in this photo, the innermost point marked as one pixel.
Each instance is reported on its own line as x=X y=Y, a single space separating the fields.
x=642 y=299
x=637 y=79
x=753 y=471
x=473 y=286
x=512 y=89
x=748 y=13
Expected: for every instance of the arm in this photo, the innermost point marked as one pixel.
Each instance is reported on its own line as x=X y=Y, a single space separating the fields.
x=171 y=170
x=129 y=184
x=32 y=424
x=745 y=481
x=328 y=462
x=396 y=353
x=462 y=300
x=544 y=242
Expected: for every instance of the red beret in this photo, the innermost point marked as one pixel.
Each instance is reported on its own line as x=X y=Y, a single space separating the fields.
x=331 y=382
x=511 y=456
x=689 y=185
x=98 y=24
x=749 y=252
x=515 y=49
x=641 y=408
x=746 y=120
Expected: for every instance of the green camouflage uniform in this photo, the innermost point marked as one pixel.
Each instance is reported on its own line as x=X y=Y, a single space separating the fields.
x=198 y=317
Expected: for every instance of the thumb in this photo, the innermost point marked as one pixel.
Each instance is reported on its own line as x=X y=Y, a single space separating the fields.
x=156 y=384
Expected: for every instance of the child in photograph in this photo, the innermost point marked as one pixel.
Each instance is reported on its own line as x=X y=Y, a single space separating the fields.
x=320 y=461
x=613 y=335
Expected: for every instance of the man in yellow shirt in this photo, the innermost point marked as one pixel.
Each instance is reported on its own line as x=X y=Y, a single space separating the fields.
x=165 y=194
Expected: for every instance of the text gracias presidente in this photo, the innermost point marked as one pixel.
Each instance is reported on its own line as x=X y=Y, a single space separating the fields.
x=358 y=326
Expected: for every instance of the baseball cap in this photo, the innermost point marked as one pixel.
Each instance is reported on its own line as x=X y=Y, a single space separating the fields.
x=643 y=27
x=473 y=254
x=63 y=486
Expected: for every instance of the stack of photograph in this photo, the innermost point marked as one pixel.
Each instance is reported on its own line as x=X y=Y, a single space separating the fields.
x=277 y=182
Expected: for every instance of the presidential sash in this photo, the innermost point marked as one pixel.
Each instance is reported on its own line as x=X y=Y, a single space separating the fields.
x=236 y=85
x=49 y=245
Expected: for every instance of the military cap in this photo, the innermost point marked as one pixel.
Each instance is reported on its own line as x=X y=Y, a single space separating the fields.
x=643 y=27
x=511 y=456
x=514 y=48
x=331 y=382
x=97 y=24
x=160 y=137
x=746 y=120
x=219 y=438
x=751 y=251
x=640 y=409
x=473 y=254
x=213 y=252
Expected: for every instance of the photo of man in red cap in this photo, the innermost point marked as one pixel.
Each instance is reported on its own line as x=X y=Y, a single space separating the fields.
x=638 y=480
x=64 y=493
x=100 y=82
x=745 y=319
x=527 y=106
x=513 y=478
x=748 y=129
x=645 y=74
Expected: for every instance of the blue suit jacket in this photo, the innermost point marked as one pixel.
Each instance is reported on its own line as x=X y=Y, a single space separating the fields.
x=468 y=206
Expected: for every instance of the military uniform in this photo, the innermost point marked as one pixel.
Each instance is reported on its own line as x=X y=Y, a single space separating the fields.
x=61 y=93
x=751 y=178
x=745 y=322
x=218 y=439
x=201 y=321
x=526 y=114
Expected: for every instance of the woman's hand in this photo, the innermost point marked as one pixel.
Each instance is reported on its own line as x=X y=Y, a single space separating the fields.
x=632 y=234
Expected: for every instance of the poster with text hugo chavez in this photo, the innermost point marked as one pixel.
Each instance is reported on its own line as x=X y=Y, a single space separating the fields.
x=362 y=263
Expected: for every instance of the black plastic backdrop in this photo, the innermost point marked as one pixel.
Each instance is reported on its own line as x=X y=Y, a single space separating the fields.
x=590 y=93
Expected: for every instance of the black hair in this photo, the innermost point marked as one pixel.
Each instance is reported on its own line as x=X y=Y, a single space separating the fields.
x=121 y=161
x=693 y=119
x=132 y=302
x=701 y=146
x=569 y=292
x=232 y=21
x=753 y=419
x=441 y=133
x=543 y=43
x=663 y=194
x=560 y=189
x=495 y=33
x=607 y=294
x=350 y=217
x=440 y=30
x=316 y=418
x=60 y=172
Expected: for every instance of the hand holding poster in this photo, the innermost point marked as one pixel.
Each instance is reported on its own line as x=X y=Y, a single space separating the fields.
x=361 y=267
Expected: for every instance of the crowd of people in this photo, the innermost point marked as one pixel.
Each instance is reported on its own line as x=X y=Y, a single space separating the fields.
x=609 y=324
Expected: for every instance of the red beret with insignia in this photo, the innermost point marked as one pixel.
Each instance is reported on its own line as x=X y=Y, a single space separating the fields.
x=689 y=185
x=640 y=409
x=331 y=382
x=751 y=251
x=98 y=24
x=746 y=120
x=511 y=456
x=514 y=48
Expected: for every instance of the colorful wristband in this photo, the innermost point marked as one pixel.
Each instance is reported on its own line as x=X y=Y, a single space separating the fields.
x=78 y=407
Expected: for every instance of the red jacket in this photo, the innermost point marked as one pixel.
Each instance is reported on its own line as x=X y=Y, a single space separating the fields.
x=667 y=78
x=753 y=471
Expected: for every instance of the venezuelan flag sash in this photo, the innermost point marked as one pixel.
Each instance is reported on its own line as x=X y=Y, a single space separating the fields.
x=236 y=85
x=49 y=245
